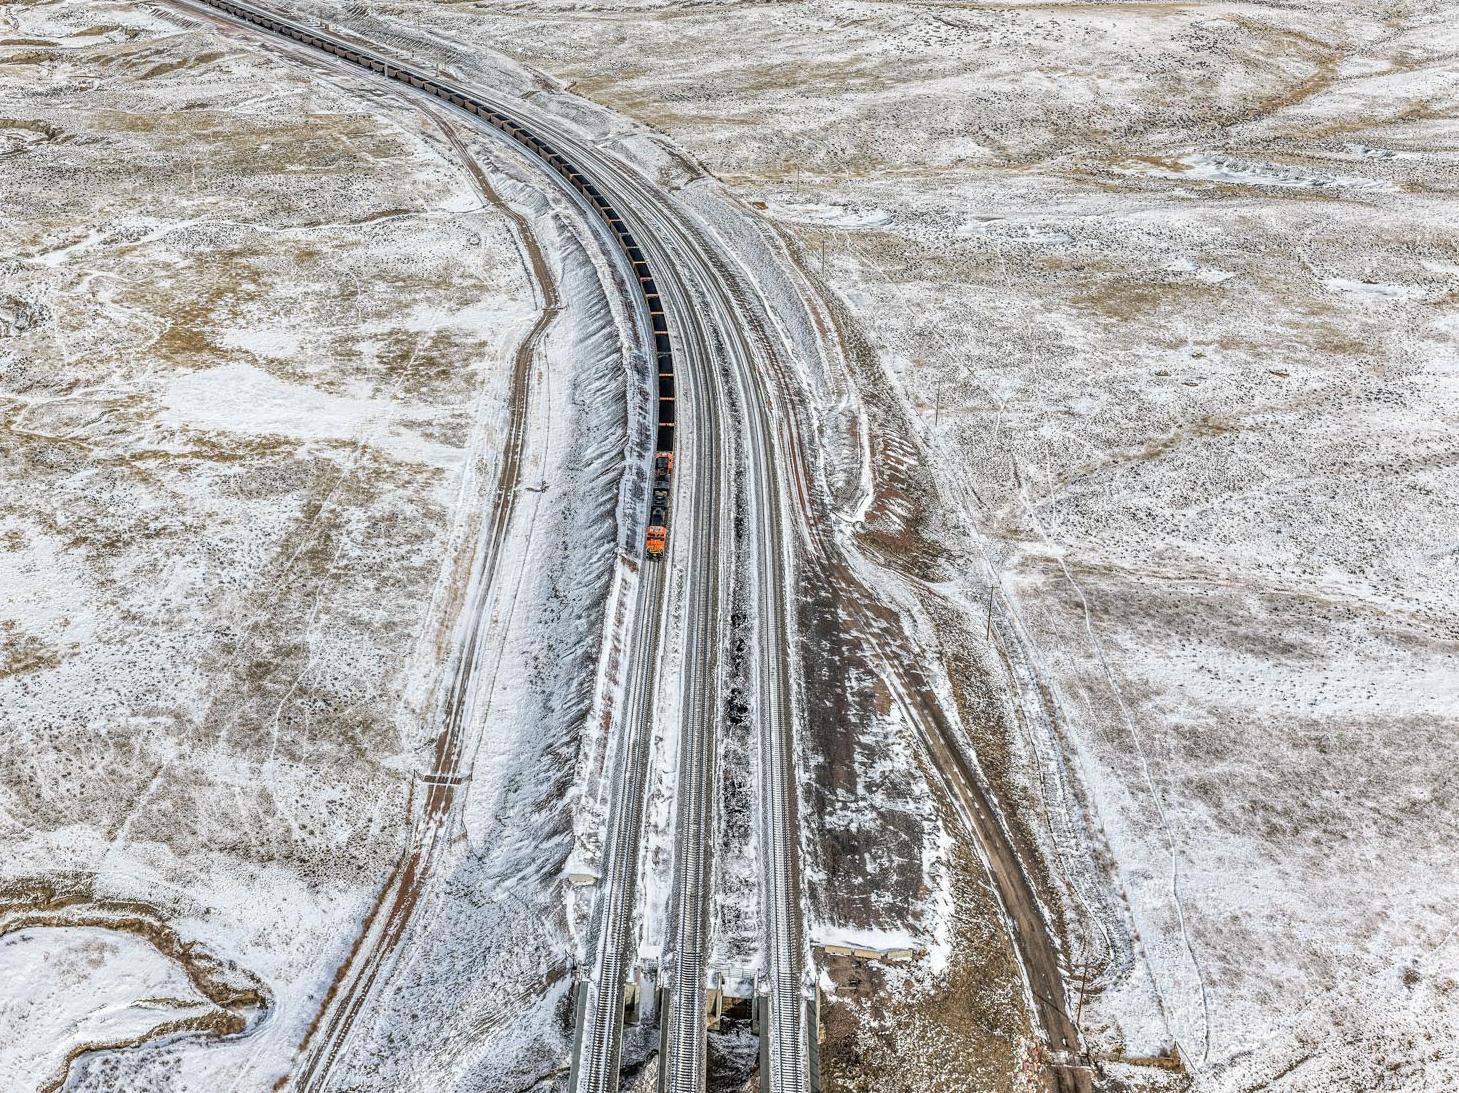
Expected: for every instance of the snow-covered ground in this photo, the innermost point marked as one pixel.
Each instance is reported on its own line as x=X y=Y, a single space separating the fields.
x=1148 y=318
x=257 y=328
x=1161 y=300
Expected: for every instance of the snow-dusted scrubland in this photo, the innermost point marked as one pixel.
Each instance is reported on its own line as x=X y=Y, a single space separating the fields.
x=1145 y=313
x=257 y=331
x=1160 y=308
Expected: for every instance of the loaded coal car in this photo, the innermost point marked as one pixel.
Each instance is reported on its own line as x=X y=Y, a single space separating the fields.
x=658 y=507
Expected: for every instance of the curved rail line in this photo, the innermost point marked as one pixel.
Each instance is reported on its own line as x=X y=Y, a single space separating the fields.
x=600 y=1010
x=600 y=1003
x=785 y=1050
x=717 y=333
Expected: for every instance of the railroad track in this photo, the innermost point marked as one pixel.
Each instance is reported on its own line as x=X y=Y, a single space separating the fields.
x=648 y=229
x=745 y=341
x=717 y=323
x=596 y=1055
x=682 y=1063
x=599 y=1015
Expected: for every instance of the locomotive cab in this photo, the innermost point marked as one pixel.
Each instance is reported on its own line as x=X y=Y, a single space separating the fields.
x=658 y=512
x=658 y=523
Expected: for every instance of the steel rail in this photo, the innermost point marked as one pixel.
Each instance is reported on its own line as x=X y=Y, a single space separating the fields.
x=682 y=1067
x=787 y=1056
x=1028 y=932
x=598 y=1036
x=596 y=1062
x=703 y=445
x=597 y=1042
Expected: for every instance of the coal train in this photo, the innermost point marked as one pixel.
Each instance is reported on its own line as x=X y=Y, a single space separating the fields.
x=657 y=534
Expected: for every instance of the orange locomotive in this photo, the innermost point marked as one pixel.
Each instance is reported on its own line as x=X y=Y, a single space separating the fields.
x=658 y=509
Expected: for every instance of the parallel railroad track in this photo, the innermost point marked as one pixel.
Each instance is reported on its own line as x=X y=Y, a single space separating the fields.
x=645 y=225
